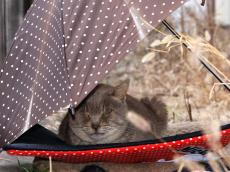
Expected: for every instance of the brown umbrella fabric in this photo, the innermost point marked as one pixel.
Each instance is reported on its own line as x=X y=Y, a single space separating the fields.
x=63 y=49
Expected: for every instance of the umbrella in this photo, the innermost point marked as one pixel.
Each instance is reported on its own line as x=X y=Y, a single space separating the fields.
x=63 y=49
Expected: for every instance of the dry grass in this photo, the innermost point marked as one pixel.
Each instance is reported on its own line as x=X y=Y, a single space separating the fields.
x=218 y=159
x=169 y=71
x=174 y=74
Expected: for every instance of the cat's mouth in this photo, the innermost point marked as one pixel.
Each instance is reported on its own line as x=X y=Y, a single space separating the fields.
x=97 y=134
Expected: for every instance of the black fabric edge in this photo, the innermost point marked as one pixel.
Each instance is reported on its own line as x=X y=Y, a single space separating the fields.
x=65 y=147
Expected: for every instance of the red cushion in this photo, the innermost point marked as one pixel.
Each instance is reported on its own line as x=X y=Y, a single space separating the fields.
x=128 y=154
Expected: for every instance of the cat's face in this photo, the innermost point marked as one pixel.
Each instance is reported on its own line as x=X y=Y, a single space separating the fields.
x=101 y=118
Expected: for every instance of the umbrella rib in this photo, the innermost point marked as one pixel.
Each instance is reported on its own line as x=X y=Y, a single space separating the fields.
x=65 y=58
x=208 y=67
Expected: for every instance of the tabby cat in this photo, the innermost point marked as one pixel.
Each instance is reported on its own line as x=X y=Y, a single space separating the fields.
x=102 y=117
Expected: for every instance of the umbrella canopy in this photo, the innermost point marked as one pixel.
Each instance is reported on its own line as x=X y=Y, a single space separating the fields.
x=63 y=49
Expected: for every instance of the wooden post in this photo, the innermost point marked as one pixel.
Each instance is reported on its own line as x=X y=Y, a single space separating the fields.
x=12 y=12
x=14 y=17
x=2 y=31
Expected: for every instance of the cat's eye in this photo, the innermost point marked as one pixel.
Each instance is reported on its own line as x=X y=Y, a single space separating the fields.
x=87 y=115
x=107 y=114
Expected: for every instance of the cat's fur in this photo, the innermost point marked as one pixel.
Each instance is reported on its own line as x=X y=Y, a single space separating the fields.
x=101 y=117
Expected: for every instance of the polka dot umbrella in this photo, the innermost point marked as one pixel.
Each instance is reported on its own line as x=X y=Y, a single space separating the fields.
x=63 y=49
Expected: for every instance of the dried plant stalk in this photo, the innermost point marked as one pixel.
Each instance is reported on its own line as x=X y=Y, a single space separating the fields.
x=212 y=92
x=199 y=47
x=190 y=165
x=213 y=162
x=139 y=122
x=50 y=164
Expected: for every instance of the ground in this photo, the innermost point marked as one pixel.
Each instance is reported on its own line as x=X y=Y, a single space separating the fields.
x=10 y=163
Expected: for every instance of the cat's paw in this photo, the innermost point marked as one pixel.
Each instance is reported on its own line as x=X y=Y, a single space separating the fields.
x=92 y=168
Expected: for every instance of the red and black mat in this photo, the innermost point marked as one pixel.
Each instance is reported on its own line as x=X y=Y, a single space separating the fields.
x=40 y=142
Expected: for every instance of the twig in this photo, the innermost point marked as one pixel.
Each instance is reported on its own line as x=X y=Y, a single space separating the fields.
x=213 y=162
x=180 y=167
x=4 y=159
x=212 y=91
x=188 y=105
x=50 y=164
x=161 y=83
x=174 y=117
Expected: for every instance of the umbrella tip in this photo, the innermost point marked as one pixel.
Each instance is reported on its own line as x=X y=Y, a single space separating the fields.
x=72 y=111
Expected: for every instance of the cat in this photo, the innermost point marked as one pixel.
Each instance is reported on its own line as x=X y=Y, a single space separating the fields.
x=102 y=117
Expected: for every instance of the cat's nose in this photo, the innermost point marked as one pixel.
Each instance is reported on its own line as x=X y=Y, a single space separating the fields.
x=95 y=126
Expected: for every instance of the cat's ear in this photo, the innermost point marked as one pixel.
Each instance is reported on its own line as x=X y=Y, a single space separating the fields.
x=122 y=89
